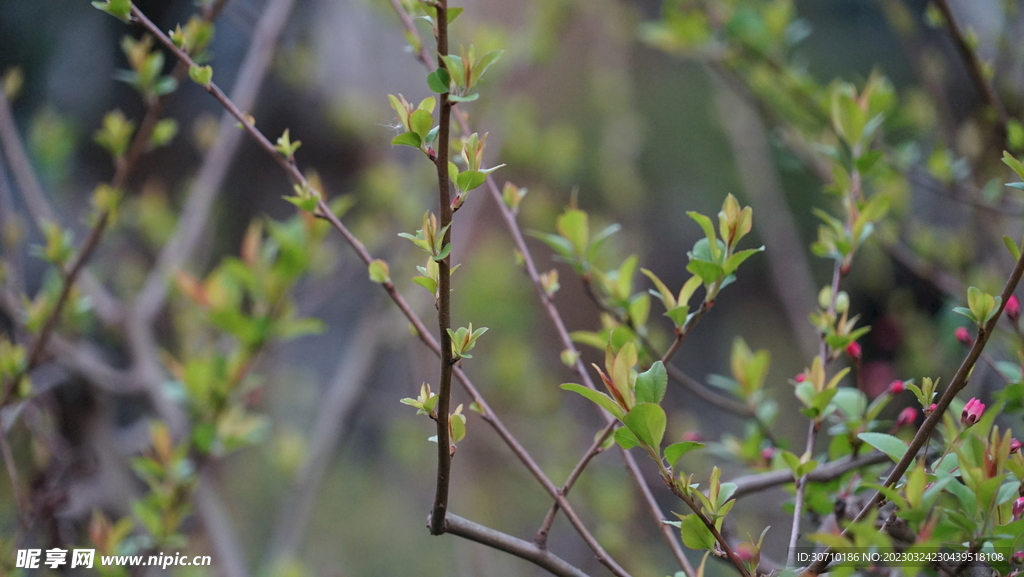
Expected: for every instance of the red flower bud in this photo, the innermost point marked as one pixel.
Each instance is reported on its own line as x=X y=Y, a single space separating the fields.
x=963 y=336
x=906 y=417
x=800 y=378
x=693 y=436
x=853 y=351
x=768 y=453
x=1018 y=557
x=896 y=387
x=931 y=409
x=1013 y=308
x=1014 y=446
x=1018 y=509
x=972 y=412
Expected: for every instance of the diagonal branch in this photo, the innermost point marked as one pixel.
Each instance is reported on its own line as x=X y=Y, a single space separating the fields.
x=955 y=386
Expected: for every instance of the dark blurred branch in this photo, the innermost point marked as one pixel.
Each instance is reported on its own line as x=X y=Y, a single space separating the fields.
x=976 y=69
x=957 y=384
x=503 y=542
x=106 y=306
x=788 y=266
x=333 y=409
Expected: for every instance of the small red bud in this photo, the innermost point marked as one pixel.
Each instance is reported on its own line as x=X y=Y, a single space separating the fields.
x=1014 y=446
x=963 y=336
x=853 y=351
x=800 y=378
x=972 y=412
x=1018 y=557
x=768 y=453
x=1018 y=509
x=896 y=387
x=693 y=436
x=932 y=408
x=906 y=417
x=1013 y=308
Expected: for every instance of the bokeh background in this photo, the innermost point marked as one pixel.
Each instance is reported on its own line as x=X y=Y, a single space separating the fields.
x=581 y=110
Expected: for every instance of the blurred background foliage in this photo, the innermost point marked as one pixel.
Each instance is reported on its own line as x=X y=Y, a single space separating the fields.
x=590 y=104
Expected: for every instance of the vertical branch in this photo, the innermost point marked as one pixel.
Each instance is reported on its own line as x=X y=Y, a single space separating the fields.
x=444 y=312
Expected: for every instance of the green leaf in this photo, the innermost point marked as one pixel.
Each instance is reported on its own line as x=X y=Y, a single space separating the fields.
x=1012 y=247
x=651 y=384
x=1013 y=163
x=626 y=439
x=708 y=272
x=454 y=13
x=647 y=421
x=572 y=224
x=485 y=62
x=734 y=261
x=470 y=179
x=202 y=75
x=421 y=121
x=695 y=533
x=601 y=399
x=467 y=98
x=887 y=444
x=444 y=252
x=709 y=231
x=676 y=450
x=121 y=9
x=379 y=271
x=439 y=81
x=407 y=139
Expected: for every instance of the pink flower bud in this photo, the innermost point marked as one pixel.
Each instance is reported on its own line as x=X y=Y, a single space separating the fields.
x=853 y=351
x=1013 y=308
x=972 y=412
x=963 y=336
x=768 y=453
x=800 y=378
x=895 y=387
x=1018 y=557
x=1014 y=446
x=1018 y=509
x=931 y=409
x=906 y=417
x=693 y=437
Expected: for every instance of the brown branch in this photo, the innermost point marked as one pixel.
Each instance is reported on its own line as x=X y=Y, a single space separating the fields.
x=531 y=552
x=751 y=484
x=541 y=538
x=955 y=386
x=444 y=308
x=976 y=69
x=324 y=211
x=325 y=435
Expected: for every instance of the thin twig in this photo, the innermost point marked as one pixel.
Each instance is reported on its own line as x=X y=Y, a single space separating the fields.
x=324 y=211
x=330 y=422
x=105 y=305
x=756 y=483
x=531 y=552
x=955 y=386
x=976 y=69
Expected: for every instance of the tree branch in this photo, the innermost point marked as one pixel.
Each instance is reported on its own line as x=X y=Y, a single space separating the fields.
x=444 y=292
x=324 y=211
x=955 y=386
x=531 y=552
